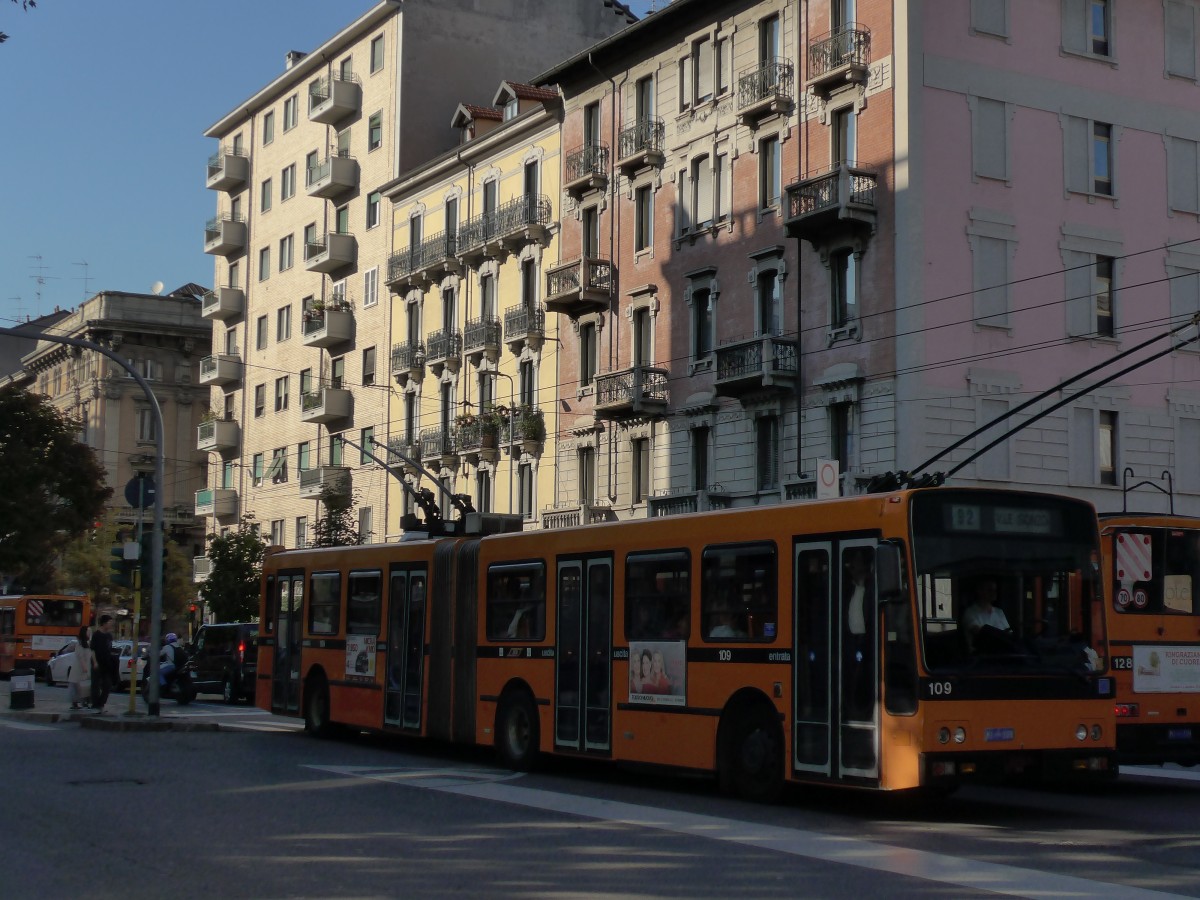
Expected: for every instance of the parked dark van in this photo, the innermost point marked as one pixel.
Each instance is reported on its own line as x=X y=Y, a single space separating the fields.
x=224 y=660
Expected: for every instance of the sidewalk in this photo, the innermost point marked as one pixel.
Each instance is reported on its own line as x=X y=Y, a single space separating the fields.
x=50 y=704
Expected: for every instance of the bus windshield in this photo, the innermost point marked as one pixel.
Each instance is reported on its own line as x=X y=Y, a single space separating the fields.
x=1007 y=583
x=1155 y=571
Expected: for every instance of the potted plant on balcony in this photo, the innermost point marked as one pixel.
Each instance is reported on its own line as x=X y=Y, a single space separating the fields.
x=530 y=428
x=316 y=310
x=490 y=421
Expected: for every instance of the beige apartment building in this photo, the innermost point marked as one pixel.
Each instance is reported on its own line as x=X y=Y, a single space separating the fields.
x=299 y=367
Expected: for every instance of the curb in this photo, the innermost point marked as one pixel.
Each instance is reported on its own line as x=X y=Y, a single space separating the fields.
x=115 y=722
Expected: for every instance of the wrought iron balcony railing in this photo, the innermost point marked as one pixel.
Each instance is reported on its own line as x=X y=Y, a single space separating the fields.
x=848 y=46
x=443 y=345
x=767 y=87
x=521 y=322
x=414 y=259
x=509 y=220
x=586 y=168
x=481 y=332
x=641 y=142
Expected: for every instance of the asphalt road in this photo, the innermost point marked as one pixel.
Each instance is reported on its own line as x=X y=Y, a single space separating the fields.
x=258 y=809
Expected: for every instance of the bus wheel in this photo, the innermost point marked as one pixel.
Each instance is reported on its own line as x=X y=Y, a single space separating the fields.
x=517 y=732
x=753 y=764
x=316 y=709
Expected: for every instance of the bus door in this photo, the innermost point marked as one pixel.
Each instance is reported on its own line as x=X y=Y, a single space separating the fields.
x=289 y=620
x=583 y=655
x=406 y=647
x=837 y=683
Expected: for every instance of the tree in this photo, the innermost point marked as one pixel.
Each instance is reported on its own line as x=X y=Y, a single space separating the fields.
x=231 y=590
x=52 y=487
x=336 y=527
x=25 y=5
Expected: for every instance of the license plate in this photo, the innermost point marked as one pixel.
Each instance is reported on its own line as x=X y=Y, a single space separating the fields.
x=1179 y=734
x=999 y=734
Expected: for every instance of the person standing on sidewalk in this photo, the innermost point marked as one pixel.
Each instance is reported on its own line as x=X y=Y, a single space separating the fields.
x=79 y=680
x=104 y=668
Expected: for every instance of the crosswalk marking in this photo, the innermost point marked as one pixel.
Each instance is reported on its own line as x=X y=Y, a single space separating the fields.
x=24 y=726
x=276 y=727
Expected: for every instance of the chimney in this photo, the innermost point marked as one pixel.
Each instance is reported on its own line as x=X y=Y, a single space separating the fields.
x=294 y=56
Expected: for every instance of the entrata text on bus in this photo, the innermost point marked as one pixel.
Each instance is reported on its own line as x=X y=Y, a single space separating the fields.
x=914 y=639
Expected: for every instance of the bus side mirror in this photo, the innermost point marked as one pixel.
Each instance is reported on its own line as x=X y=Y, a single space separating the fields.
x=889 y=579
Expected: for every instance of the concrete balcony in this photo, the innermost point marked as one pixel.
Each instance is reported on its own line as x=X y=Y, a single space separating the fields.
x=325 y=405
x=225 y=236
x=841 y=57
x=330 y=252
x=218 y=434
x=641 y=145
x=228 y=170
x=765 y=91
x=639 y=391
x=424 y=263
x=218 y=502
x=586 y=169
x=408 y=361
x=331 y=177
x=481 y=338
x=314 y=481
x=332 y=99
x=523 y=325
x=327 y=327
x=678 y=503
x=579 y=286
x=443 y=350
x=831 y=203
x=201 y=569
x=438 y=448
x=405 y=452
x=221 y=369
x=755 y=365
x=223 y=303
x=572 y=515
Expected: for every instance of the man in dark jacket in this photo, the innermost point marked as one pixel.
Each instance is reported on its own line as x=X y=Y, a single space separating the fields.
x=104 y=672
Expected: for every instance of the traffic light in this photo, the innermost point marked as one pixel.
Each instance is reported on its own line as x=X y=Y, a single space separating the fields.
x=146 y=564
x=122 y=568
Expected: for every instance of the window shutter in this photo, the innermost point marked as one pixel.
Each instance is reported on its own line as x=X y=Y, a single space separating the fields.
x=1078 y=155
x=1079 y=292
x=1181 y=39
x=724 y=187
x=704 y=190
x=1185 y=293
x=988 y=16
x=1074 y=25
x=704 y=69
x=991 y=139
x=1184 y=186
x=1082 y=447
x=685 y=219
x=991 y=281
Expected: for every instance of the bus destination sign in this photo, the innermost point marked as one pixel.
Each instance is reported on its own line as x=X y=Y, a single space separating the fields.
x=1004 y=520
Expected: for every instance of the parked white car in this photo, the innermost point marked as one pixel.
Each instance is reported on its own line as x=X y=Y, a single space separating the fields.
x=124 y=651
x=58 y=668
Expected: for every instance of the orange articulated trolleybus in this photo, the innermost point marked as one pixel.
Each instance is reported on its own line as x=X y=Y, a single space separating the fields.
x=33 y=626
x=840 y=641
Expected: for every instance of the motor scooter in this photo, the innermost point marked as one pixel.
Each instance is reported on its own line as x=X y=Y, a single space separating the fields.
x=177 y=686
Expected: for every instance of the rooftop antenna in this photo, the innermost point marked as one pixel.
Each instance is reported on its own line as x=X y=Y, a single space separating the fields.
x=41 y=278
x=85 y=278
x=20 y=309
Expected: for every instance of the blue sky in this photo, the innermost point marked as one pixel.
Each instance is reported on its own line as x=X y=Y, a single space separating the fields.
x=105 y=106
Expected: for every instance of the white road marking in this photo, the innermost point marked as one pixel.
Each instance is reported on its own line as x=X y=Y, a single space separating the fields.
x=25 y=726
x=486 y=784
x=276 y=727
x=1159 y=772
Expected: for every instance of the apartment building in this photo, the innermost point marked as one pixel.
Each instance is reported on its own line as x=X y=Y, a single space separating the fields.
x=473 y=354
x=301 y=241
x=856 y=232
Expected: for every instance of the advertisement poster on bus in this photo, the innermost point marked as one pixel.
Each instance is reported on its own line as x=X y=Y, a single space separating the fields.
x=360 y=656
x=658 y=672
x=1163 y=669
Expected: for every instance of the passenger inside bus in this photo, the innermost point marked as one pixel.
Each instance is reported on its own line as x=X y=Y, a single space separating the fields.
x=723 y=625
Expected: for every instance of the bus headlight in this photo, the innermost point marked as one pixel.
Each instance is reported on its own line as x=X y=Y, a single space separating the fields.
x=943 y=735
x=960 y=735
x=1081 y=733
x=1097 y=732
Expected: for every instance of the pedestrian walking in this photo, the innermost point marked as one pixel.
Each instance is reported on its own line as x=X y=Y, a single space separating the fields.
x=104 y=663
x=79 y=680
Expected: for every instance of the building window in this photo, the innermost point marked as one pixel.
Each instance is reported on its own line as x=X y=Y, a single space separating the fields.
x=590 y=231
x=287 y=182
x=1098 y=26
x=843 y=285
x=301 y=532
x=1103 y=281
x=366 y=443
x=586 y=461
x=337 y=372
x=291 y=112
x=769 y=173
x=260 y=400
x=703 y=70
x=375 y=132
x=1090 y=157
x=587 y=354
x=374 y=200
x=227 y=474
x=281 y=393
x=700 y=458
x=371 y=287
x=286 y=246
x=256 y=469
x=526 y=381
x=145 y=425
x=483 y=490
x=283 y=323
x=341 y=219
x=366 y=527
x=235 y=275
x=845 y=135
x=643 y=343
x=525 y=490
x=264 y=202
x=260 y=332
x=841 y=434
x=268 y=127
x=277 y=532
x=768 y=302
x=702 y=323
x=376 y=54
x=303 y=456
x=231 y=341
x=410 y=418
x=264 y=263
x=702 y=192
x=368 y=366
x=767 y=452
x=336 y=446
x=305 y=381
x=643 y=226
x=1102 y=158
x=1107 y=447
x=528 y=284
x=641 y=470
x=277 y=471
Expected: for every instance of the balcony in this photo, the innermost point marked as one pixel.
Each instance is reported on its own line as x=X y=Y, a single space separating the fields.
x=217 y=434
x=332 y=99
x=481 y=338
x=578 y=287
x=765 y=91
x=437 y=448
x=574 y=515
x=221 y=369
x=523 y=325
x=201 y=569
x=325 y=405
x=330 y=252
x=332 y=176
x=404 y=452
x=423 y=263
x=765 y=363
x=478 y=439
x=586 y=170
x=641 y=145
x=408 y=361
x=328 y=326
x=830 y=202
x=839 y=58
x=225 y=235
x=677 y=503
x=524 y=429
x=507 y=228
x=313 y=482
x=219 y=502
x=228 y=170
x=443 y=350
x=223 y=303
x=639 y=391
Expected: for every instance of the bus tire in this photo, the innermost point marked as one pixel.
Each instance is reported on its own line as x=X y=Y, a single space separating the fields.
x=316 y=708
x=518 y=733
x=752 y=762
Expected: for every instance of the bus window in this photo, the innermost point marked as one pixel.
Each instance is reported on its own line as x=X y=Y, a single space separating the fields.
x=54 y=613
x=325 y=604
x=364 y=603
x=738 y=597
x=516 y=602
x=1171 y=557
x=657 y=596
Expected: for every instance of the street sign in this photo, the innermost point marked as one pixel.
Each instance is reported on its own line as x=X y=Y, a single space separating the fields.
x=139 y=492
x=828 y=479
